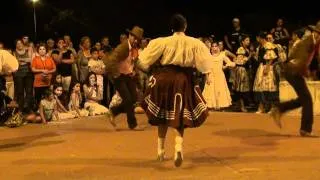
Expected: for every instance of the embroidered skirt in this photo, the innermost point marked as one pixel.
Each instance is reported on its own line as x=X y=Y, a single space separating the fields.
x=173 y=98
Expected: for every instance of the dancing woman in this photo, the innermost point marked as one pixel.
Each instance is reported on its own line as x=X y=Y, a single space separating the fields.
x=172 y=98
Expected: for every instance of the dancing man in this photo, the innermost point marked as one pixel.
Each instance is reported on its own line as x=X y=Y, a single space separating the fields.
x=120 y=66
x=294 y=69
x=172 y=98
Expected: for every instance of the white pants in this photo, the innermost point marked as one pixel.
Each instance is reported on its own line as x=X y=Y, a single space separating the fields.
x=66 y=80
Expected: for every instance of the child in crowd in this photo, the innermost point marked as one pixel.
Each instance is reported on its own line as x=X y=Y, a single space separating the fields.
x=63 y=113
x=93 y=94
x=57 y=80
x=96 y=66
x=47 y=109
x=75 y=100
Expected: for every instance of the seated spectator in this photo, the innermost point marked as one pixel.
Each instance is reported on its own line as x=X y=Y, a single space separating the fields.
x=93 y=94
x=63 y=113
x=75 y=100
x=47 y=109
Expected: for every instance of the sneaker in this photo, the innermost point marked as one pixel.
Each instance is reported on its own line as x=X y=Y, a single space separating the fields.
x=178 y=159
x=305 y=134
x=276 y=116
x=137 y=128
x=243 y=109
x=160 y=157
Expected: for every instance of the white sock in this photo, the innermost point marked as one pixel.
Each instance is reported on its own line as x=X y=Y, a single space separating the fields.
x=179 y=141
x=160 y=145
x=178 y=146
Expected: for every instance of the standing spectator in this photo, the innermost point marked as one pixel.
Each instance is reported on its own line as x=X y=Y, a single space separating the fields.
x=69 y=44
x=43 y=67
x=84 y=55
x=280 y=33
x=123 y=38
x=216 y=91
x=50 y=46
x=233 y=38
x=265 y=84
x=97 y=45
x=67 y=40
x=23 y=78
x=228 y=72
x=241 y=84
x=64 y=63
x=105 y=44
x=25 y=41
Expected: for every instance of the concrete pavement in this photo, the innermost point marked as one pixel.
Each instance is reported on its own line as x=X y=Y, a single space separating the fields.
x=234 y=146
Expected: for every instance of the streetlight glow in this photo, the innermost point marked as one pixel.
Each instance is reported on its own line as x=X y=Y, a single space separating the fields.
x=34 y=18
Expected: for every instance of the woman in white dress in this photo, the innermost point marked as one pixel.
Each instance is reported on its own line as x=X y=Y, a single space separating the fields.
x=216 y=91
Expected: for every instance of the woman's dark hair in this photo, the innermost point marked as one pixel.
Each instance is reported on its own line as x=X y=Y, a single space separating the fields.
x=87 y=82
x=299 y=33
x=73 y=83
x=56 y=85
x=92 y=50
x=47 y=93
x=41 y=45
x=262 y=34
x=243 y=37
x=178 y=23
x=83 y=40
x=60 y=39
x=215 y=42
x=16 y=41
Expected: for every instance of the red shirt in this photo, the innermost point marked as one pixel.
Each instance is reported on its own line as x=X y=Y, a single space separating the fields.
x=41 y=79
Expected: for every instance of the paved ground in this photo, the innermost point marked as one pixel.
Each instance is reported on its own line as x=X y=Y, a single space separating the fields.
x=228 y=146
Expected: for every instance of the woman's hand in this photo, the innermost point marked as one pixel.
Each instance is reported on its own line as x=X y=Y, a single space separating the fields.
x=208 y=81
x=266 y=70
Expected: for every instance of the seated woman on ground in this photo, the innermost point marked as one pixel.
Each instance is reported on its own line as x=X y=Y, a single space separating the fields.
x=76 y=99
x=63 y=113
x=47 y=109
x=93 y=94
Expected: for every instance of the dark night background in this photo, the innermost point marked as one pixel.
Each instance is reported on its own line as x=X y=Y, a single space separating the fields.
x=105 y=17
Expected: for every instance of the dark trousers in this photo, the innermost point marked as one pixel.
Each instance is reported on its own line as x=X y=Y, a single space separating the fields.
x=108 y=91
x=38 y=95
x=304 y=99
x=126 y=87
x=23 y=86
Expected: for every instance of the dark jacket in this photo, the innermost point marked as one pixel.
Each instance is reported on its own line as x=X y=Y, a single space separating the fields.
x=300 y=56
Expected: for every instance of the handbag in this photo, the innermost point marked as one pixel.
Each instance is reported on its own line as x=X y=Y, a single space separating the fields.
x=15 y=120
